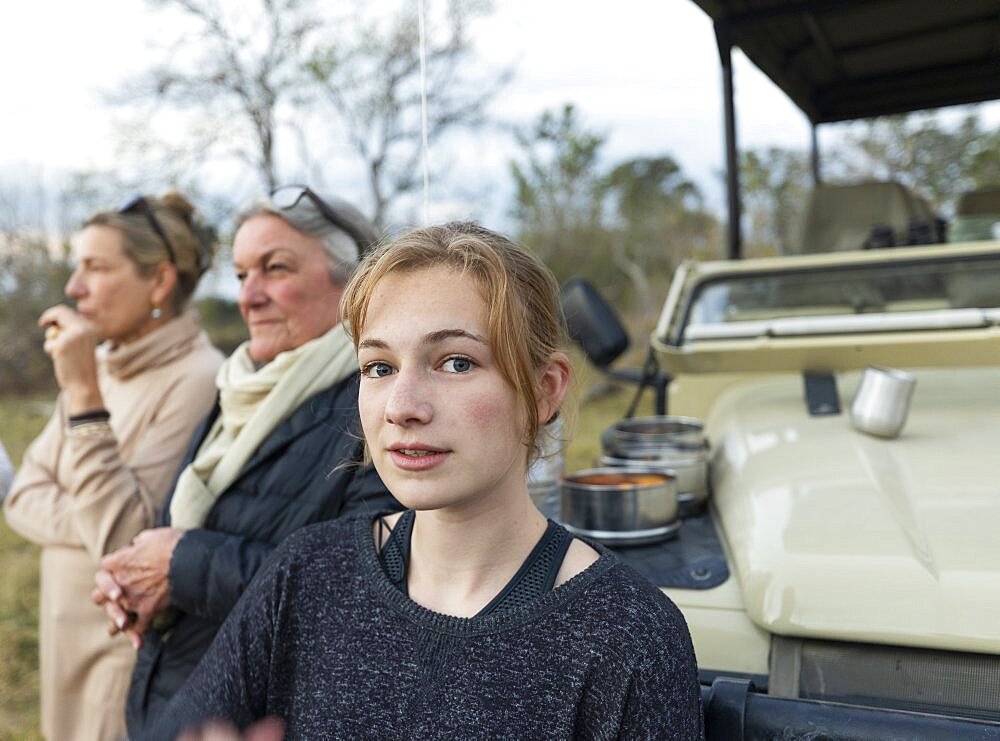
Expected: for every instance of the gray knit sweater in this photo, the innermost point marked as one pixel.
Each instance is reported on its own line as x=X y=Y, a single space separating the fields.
x=324 y=640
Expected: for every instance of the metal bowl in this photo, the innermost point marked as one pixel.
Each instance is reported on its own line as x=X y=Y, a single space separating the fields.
x=690 y=472
x=621 y=506
x=658 y=432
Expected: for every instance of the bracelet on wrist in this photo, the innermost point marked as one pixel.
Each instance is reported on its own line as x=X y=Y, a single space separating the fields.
x=91 y=415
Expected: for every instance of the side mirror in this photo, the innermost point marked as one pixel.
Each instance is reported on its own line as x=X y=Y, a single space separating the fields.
x=596 y=328
x=592 y=323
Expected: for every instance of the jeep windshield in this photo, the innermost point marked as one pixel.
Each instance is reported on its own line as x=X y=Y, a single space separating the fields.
x=897 y=296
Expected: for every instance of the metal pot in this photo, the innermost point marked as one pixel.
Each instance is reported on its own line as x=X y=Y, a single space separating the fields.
x=620 y=507
x=658 y=433
x=672 y=444
x=691 y=474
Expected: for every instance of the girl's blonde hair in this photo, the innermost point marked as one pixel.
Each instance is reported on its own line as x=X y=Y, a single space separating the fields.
x=525 y=321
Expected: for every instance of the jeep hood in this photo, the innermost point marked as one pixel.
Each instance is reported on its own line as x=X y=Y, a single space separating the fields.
x=839 y=535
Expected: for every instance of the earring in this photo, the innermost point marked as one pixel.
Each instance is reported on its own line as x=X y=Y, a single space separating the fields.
x=156 y=313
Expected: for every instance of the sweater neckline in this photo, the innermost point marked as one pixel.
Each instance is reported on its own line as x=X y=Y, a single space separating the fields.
x=161 y=346
x=494 y=622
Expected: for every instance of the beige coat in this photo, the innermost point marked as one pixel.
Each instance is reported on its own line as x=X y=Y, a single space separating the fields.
x=80 y=496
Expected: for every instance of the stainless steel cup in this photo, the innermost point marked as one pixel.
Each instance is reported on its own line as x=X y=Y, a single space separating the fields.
x=882 y=401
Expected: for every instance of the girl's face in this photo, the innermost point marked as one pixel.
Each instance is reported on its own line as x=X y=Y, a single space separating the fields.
x=442 y=424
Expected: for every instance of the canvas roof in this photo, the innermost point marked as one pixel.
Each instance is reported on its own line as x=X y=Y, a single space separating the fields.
x=846 y=59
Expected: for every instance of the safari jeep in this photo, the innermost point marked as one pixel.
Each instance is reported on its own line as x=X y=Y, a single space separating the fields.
x=844 y=580
x=863 y=570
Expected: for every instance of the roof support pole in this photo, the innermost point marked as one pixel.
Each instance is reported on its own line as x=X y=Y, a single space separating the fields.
x=817 y=176
x=724 y=40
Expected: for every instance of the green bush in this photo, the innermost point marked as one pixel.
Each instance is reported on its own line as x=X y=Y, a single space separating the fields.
x=30 y=282
x=223 y=323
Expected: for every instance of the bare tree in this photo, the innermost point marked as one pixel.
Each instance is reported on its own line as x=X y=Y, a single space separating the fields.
x=373 y=84
x=254 y=73
x=235 y=68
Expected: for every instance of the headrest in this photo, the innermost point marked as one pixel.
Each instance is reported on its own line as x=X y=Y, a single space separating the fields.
x=983 y=202
x=841 y=217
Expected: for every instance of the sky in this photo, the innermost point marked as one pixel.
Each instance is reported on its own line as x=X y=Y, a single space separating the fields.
x=643 y=72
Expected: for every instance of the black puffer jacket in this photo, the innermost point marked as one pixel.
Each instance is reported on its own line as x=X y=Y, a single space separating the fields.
x=306 y=471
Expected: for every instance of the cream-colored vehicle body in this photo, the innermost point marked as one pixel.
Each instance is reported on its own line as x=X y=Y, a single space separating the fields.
x=830 y=533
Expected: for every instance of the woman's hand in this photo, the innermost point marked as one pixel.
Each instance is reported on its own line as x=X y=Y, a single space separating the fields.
x=70 y=340
x=133 y=584
x=108 y=594
x=268 y=729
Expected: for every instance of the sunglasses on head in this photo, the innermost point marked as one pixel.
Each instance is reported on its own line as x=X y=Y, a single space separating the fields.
x=139 y=203
x=287 y=197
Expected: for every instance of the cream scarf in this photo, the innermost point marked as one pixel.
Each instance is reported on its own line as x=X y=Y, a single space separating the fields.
x=253 y=403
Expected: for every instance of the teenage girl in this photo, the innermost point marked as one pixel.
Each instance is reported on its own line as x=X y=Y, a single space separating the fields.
x=469 y=615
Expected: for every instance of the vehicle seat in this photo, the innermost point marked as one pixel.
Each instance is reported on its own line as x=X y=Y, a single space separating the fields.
x=977 y=218
x=977 y=215
x=844 y=217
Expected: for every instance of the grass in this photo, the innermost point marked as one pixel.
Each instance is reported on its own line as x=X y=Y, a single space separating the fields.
x=22 y=420
x=595 y=412
x=593 y=417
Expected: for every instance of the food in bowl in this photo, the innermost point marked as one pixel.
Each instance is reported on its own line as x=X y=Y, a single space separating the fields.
x=620 y=507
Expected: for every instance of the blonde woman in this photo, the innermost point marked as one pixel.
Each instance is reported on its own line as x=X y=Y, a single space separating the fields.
x=135 y=373
x=469 y=615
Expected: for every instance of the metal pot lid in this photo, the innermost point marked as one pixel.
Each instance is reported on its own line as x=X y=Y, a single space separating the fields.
x=681 y=433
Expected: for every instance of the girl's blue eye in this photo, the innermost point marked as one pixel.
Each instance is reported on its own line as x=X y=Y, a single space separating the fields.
x=458 y=365
x=376 y=370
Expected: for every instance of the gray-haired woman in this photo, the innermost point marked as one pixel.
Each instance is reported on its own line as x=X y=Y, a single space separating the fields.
x=268 y=459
